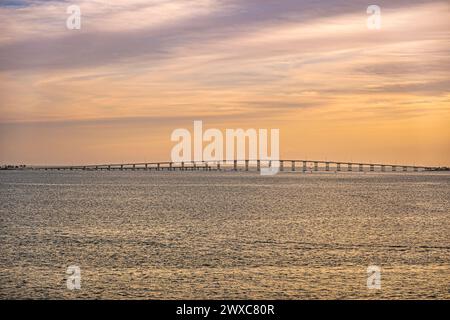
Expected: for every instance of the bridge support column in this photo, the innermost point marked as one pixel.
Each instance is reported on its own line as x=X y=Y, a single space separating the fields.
x=245 y=165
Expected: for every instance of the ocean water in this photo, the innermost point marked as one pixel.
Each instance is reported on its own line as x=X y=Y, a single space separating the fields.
x=224 y=235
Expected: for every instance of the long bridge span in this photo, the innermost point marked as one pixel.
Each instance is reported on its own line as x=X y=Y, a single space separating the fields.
x=247 y=165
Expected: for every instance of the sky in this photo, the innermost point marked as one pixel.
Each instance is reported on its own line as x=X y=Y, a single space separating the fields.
x=114 y=90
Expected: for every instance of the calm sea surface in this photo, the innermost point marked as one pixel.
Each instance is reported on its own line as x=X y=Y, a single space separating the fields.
x=204 y=235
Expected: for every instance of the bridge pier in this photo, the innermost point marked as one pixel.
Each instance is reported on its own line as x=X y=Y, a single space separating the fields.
x=238 y=165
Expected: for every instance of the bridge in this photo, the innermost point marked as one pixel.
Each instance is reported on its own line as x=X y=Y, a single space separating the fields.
x=246 y=165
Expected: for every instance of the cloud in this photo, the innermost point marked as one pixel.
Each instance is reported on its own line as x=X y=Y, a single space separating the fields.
x=35 y=36
x=213 y=55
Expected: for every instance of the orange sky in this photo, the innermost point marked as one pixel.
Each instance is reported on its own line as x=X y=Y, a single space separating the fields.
x=116 y=89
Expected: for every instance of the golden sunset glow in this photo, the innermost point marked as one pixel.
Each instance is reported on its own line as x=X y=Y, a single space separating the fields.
x=114 y=90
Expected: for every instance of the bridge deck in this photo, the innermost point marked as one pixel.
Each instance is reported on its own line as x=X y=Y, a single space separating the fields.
x=244 y=165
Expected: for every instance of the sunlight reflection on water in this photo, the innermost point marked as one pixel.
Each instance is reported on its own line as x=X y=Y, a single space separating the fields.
x=195 y=235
